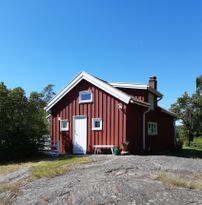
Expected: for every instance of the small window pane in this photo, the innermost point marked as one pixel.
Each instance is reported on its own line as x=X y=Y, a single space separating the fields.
x=85 y=96
x=64 y=125
x=152 y=128
x=96 y=124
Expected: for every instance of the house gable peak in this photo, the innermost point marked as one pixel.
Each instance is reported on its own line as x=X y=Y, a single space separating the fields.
x=93 y=80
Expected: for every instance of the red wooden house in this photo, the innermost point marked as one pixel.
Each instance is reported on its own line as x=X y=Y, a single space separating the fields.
x=90 y=111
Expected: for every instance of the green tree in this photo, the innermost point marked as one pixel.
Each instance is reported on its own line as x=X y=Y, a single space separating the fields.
x=22 y=122
x=199 y=84
x=47 y=93
x=189 y=111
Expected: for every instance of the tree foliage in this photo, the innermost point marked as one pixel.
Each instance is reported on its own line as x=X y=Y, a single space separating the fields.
x=189 y=111
x=22 y=121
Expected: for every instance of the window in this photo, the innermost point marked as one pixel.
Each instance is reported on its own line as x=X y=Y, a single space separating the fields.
x=152 y=128
x=96 y=124
x=151 y=101
x=85 y=96
x=64 y=125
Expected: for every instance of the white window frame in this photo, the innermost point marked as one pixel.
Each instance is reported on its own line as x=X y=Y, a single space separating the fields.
x=64 y=128
x=152 y=128
x=151 y=101
x=93 y=123
x=85 y=92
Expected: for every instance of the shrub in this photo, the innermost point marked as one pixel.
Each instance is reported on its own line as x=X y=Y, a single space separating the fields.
x=196 y=143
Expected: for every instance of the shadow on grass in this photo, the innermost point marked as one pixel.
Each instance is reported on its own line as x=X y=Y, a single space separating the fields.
x=185 y=152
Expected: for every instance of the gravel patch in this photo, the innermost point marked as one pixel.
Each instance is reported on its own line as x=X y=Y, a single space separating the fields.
x=113 y=180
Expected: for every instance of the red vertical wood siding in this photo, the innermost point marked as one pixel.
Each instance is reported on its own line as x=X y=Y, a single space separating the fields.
x=103 y=106
x=134 y=127
x=164 y=140
x=137 y=93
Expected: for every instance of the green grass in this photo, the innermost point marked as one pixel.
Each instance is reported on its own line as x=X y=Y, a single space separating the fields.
x=39 y=168
x=186 y=152
x=196 y=143
x=56 y=167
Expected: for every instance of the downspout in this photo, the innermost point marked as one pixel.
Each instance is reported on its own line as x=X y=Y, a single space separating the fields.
x=58 y=142
x=143 y=129
x=175 y=131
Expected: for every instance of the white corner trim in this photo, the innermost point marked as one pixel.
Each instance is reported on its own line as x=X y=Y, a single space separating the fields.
x=93 y=80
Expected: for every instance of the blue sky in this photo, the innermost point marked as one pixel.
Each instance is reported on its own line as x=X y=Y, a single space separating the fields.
x=50 y=41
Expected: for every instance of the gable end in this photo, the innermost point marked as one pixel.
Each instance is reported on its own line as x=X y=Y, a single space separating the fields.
x=95 y=81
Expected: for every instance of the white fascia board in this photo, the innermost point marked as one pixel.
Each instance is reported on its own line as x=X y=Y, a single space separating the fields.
x=85 y=76
x=128 y=85
x=48 y=116
x=62 y=93
x=107 y=88
x=136 y=86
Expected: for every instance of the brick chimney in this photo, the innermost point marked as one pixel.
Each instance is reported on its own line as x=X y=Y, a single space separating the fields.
x=153 y=82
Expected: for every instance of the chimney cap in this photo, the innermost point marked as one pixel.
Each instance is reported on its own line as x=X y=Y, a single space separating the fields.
x=153 y=82
x=153 y=77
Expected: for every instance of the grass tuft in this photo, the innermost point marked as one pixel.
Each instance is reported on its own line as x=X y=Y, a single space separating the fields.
x=8 y=168
x=56 y=167
x=176 y=180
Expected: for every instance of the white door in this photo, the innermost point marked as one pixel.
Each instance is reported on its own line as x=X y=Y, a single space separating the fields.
x=80 y=135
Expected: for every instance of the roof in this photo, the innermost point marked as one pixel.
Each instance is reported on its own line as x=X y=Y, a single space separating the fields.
x=140 y=102
x=124 y=97
x=137 y=86
x=168 y=112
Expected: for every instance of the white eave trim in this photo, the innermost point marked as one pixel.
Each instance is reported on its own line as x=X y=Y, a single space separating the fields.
x=129 y=85
x=95 y=81
x=136 y=86
x=48 y=116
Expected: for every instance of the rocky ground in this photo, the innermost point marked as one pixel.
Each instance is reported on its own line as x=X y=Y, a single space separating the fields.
x=113 y=180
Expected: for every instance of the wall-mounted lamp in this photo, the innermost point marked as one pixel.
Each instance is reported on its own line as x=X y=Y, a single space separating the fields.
x=120 y=106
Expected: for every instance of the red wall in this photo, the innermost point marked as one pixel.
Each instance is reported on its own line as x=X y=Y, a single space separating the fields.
x=104 y=106
x=137 y=93
x=134 y=127
x=165 y=138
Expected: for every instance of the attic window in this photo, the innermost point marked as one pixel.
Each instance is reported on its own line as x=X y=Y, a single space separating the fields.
x=64 y=125
x=97 y=124
x=85 y=96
